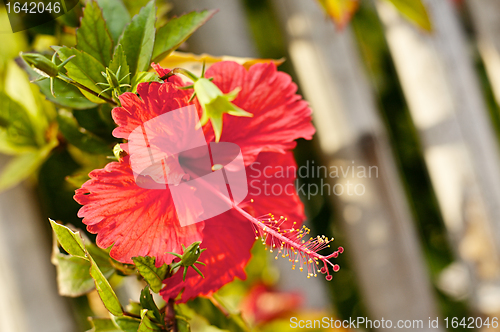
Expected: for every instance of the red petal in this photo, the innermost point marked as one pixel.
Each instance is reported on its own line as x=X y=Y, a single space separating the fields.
x=280 y=115
x=136 y=221
x=155 y=99
x=271 y=184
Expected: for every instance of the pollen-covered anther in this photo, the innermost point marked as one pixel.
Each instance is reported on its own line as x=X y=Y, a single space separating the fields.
x=292 y=243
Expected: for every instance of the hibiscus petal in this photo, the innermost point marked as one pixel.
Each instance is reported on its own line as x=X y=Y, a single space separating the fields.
x=136 y=221
x=279 y=115
x=271 y=185
x=155 y=99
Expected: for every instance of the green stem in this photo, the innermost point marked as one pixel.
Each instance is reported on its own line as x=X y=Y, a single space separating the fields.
x=170 y=318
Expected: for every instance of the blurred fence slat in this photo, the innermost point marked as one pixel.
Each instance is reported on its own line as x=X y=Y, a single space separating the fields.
x=28 y=295
x=461 y=151
x=382 y=240
x=486 y=20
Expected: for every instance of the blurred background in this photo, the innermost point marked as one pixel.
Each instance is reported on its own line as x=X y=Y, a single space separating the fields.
x=416 y=102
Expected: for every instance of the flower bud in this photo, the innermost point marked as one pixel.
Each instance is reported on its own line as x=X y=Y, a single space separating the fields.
x=41 y=64
x=191 y=254
x=215 y=103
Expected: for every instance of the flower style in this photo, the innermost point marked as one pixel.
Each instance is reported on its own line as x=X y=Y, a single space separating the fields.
x=137 y=221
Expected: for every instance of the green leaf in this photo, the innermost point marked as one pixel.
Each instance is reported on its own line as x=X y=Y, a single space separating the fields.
x=97 y=121
x=103 y=325
x=127 y=324
x=146 y=324
x=73 y=244
x=206 y=308
x=116 y=15
x=80 y=137
x=134 y=308
x=143 y=76
x=105 y=291
x=147 y=302
x=138 y=39
x=16 y=130
x=92 y=36
x=72 y=17
x=22 y=166
x=101 y=257
x=84 y=69
x=170 y=36
x=153 y=275
x=183 y=325
x=73 y=277
x=18 y=87
x=69 y=240
x=120 y=61
x=415 y=11
x=78 y=178
x=67 y=95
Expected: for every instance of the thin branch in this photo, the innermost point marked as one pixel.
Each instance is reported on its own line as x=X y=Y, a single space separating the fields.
x=170 y=319
x=83 y=87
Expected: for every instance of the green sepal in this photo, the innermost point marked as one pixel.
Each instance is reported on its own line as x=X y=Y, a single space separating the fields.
x=215 y=103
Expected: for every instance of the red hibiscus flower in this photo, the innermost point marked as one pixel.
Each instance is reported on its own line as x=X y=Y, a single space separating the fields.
x=139 y=221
